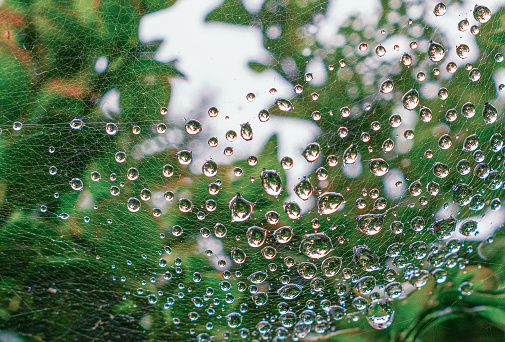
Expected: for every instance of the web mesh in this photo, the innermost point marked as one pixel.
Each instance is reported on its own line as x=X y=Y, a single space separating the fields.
x=135 y=205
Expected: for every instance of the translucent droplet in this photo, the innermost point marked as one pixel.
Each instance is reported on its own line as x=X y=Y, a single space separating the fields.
x=329 y=202
x=316 y=245
x=350 y=154
x=312 y=152
x=193 y=127
x=304 y=189
x=365 y=285
x=489 y=113
x=462 y=194
x=292 y=209
x=474 y=75
x=238 y=255
x=133 y=204
x=426 y=114
x=210 y=168
x=462 y=51
x=168 y=170
x=258 y=277
x=76 y=124
x=380 y=50
x=463 y=25
x=111 y=128
x=283 y=234
x=307 y=270
x=271 y=182
x=234 y=320
x=363 y=257
x=76 y=184
x=440 y=170
x=184 y=157
x=256 y=236
x=445 y=142
x=331 y=266
x=246 y=131
x=468 y=228
x=370 y=224
x=443 y=229
x=410 y=99
x=380 y=314
x=284 y=105
x=378 y=167
x=213 y=112
x=440 y=9
x=436 y=52
x=468 y=110
x=132 y=173
x=481 y=13
x=289 y=291
x=240 y=209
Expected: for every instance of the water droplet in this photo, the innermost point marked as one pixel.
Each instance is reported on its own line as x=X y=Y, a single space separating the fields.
x=284 y=105
x=331 y=266
x=329 y=202
x=289 y=291
x=350 y=154
x=481 y=13
x=256 y=236
x=246 y=131
x=258 y=277
x=378 y=167
x=436 y=52
x=410 y=99
x=316 y=245
x=443 y=229
x=193 y=127
x=370 y=224
x=363 y=257
x=133 y=204
x=240 y=208
x=271 y=182
x=440 y=9
x=76 y=184
x=304 y=189
x=489 y=113
x=312 y=152
x=210 y=168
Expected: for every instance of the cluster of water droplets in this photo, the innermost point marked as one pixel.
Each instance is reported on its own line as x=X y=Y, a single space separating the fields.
x=330 y=268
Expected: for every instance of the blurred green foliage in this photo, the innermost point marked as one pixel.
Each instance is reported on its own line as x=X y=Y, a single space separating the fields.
x=64 y=279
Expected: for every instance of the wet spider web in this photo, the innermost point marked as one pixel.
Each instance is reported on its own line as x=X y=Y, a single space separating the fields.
x=119 y=214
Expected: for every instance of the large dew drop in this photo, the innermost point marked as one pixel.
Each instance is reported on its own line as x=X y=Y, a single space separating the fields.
x=271 y=182
x=284 y=105
x=331 y=266
x=240 y=208
x=234 y=320
x=364 y=258
x=443 y=229
x=304 y=189
x=436 y=52
x=410 y=99
x=329 y=202
x=316 y=245
x=289 y=291
x=380 y=314
x=256 y=236
x=246 y=131
x=370 y=224
x=312 y=152
x=350 y=154
x=378 y=167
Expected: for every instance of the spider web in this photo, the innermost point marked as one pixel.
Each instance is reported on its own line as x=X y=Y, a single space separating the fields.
x=98 y=242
